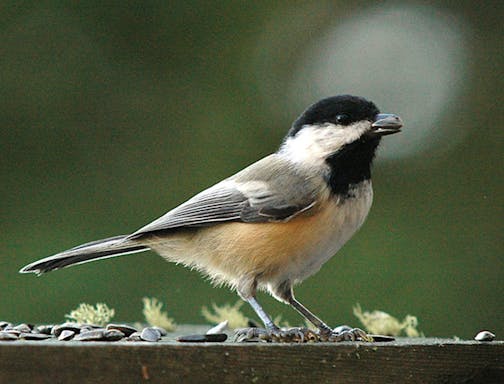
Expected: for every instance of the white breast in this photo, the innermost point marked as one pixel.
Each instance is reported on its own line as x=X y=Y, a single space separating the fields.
x=341 y=219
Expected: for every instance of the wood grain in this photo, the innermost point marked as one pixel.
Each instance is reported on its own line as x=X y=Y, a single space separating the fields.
x=404 y=361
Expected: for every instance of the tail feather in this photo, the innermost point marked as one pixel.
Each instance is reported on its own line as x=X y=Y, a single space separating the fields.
x=100 y=249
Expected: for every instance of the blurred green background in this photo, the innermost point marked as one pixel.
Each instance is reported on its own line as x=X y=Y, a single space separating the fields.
x=113 y=114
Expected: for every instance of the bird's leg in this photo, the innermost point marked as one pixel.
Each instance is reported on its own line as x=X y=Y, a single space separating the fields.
x=343 y=333
x=254 y=333
x=308 y=315
x=272 y=332
x=247 y=290
x=265 y=318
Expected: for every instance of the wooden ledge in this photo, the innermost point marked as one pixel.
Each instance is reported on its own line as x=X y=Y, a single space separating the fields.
x=425 y=360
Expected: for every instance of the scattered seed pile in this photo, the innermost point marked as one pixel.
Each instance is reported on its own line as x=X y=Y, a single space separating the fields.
x=79 y=332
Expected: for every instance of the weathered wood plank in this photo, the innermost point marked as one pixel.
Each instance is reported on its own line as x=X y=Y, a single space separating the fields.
x=403 y=361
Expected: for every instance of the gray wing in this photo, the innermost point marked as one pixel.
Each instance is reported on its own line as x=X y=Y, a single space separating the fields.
x=266 y=191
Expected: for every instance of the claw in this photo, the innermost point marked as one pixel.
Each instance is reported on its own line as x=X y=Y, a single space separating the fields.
x=291 y=335
x=349 y=334
x=249 y=334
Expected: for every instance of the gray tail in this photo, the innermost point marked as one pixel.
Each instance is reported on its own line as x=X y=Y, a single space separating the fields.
x=100 y=249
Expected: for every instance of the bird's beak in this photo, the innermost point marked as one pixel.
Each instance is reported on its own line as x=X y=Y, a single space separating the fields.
x=386 y=124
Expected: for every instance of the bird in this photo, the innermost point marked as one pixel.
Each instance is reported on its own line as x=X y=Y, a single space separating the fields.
x=274 y=223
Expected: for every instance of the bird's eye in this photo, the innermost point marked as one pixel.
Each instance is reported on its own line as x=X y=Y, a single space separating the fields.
x=342 y=118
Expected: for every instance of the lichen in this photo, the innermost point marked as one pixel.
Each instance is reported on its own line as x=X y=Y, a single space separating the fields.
x=381 y=323
x=228 y=312
x=154 y=316
x=86 y=313
x=281 y=322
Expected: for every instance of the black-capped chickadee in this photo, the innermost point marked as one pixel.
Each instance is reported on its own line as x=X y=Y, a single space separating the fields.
x=277 y=221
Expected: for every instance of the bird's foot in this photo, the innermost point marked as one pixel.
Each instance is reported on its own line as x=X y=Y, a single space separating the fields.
x=290 y=335
x=301 y=335
x=344 y=333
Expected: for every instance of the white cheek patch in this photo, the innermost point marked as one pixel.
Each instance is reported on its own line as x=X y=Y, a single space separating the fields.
x=314 y=143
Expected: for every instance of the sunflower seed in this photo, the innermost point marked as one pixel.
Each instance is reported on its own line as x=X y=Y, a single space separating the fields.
x=94 y=335
x=90 y=326
x=484 y=336
x=341 y=329
x=66 y=334
x=24 y=328
x=208 y=338
x=45 y=329
x=12 y=331
x=113 y=335
x=57 y=329
x=6 y=336
x=219 y=328
x=162 y=331
x=126 y=329
x=34 y=336
x=4 y=324
x=150 y=334
x=382 y=338
x=135 y=336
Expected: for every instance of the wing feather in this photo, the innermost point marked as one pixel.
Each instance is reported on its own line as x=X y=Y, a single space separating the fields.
x=260 y=196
